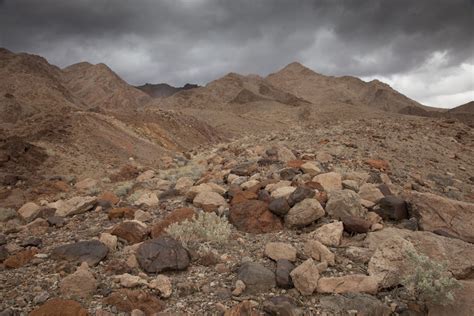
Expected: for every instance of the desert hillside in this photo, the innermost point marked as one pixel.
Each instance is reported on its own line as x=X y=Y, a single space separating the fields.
x=163 y=90
x=295 y=194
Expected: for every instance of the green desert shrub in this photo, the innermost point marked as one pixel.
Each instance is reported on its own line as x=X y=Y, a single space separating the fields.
x=430 y=281
x=206 y=227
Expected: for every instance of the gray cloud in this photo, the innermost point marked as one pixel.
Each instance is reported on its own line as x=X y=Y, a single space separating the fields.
x=179 y=41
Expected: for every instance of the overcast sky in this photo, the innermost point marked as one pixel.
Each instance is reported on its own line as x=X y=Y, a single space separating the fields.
x=423 y=48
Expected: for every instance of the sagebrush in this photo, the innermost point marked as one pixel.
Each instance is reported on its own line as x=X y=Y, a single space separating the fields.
x=205 y=227
x=430 y=281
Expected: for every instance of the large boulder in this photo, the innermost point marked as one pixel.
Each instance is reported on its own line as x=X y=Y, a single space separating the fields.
x=253 y=216
x=442 y=215
x=458 y=254
x=304 y=213
x=91 y=251
x=162 y=254
x=342 y=203
x=256 y=277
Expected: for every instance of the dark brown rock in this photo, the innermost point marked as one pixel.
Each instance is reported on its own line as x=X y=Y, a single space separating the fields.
x=392 y=207
x=127 y=300
x=264 y=195
x=354 y=224
x=131 y=231
x=279 y=206
x=253 y=216
x=20 y=259
x=121 y=212
x=59 y=307
x=299 y=195
x=91 y=251
x=162 y=254
x=289 y=173
x=256 y=277
x=244 y=169
x=283 y=269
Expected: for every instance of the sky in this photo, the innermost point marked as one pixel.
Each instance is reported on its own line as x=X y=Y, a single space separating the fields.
x=422 y=48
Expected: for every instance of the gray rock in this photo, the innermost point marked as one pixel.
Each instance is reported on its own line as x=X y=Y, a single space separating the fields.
x=364 y=304
x=283 y=269
x=343 y=203
x=256 y=277
x=279 y=206
x=162 y=254
x=300 y=194
x=304 y=213
x=7 y=214
x=91 y=251
x=281 y=306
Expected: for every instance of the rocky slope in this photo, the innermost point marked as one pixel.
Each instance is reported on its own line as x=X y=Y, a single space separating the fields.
x=321 y=218
x=163 y=90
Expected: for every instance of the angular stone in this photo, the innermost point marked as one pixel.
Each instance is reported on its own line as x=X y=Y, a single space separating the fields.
x=329 y=181
x=354 y=224
x=329 y=234
x=91 y=251
x=109 y=240
x=283 y=192
x=29 y=211
x=183 y=184
x=282 y=272
x=254 y=217
x=80 y=284
x=352 y=185
x=319 y=252
x=289 y=173
x=162 y=254
x=304 y=213
x=305 y=277
x=130 y=281
x=284 y=154
x=107 y=199
x=73 y=206
x=280 y=250
x=7 y=214
x=128 y=300
x=209 y=201
x=344 y=203
x=147 y=199
x=131 y=231
x=162 y=283
x=354 y=283
x=256 y=277
x=59 y=307
x=176 y=216
x=300 y=194
x=378 y=164
x=392 y=207
x=439 y=213
x=279 y=206
x=310 y=168
x=370 y=192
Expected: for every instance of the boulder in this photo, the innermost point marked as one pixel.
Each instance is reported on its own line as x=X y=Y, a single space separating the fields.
x=29 y=211
x=59 y=307
x=392 y=207
x=329 y=234
x=343 y=203
x=319 y=252
x=305 y=277
x=80 y=284
x=73 y=206
x=91 y=251
x=436 y=213
x=132 y=231
x=162 y=254
x=354 y=224
x=304 y=213
x=370 y=192
x=253 y=216
x=354 y=283
x=209 y=201
x=280 y=250
x=279 y=206
x=282 y=273
x=256 y=277
x=329 y=181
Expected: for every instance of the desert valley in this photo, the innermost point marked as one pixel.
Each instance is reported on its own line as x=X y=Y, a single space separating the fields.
x=291 y=194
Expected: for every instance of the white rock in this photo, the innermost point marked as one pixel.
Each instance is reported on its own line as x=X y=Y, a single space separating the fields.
x=163 y=284
x=283 y=192
x=329 y=234
x=329 y=181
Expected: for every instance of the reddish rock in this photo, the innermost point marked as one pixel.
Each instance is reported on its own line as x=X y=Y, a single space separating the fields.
x=243 y=196
x=127 y=172
x=132 y=231
x=253 y=216
x=20 y=259
x=107 y=199
x=176 y=216
x=354 y=224
x=127 y=300
x=121 y=212
x=295 y=163
x=378 y=164
x=59 y=307
x=244 y=308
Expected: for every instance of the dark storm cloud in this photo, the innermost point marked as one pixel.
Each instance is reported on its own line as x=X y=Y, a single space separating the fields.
x=182 y=41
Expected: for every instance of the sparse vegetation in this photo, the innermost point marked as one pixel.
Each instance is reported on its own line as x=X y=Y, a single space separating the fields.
x=204 y=227
x=430 y=280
